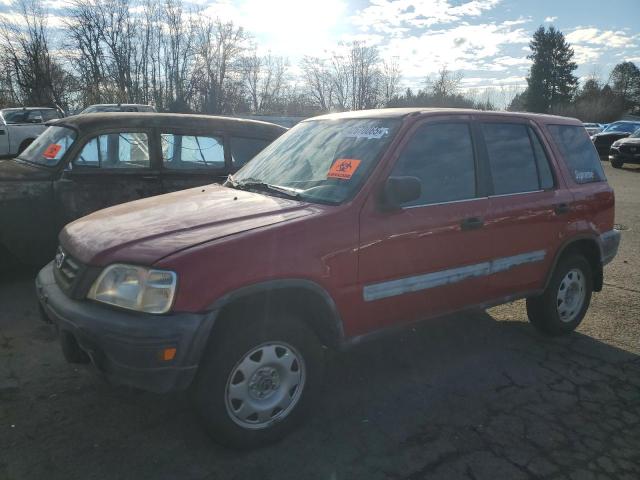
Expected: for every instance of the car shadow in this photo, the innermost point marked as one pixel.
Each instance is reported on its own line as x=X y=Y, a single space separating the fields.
x=451 y=395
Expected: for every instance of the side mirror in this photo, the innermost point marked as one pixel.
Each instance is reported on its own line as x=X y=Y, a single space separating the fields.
x=400 y=190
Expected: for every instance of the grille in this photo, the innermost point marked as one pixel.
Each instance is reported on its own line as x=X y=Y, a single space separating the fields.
x=67 y=270
x=631 y=149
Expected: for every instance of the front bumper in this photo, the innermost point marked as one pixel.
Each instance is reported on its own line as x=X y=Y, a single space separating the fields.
x=624 y=157
x=127 y=346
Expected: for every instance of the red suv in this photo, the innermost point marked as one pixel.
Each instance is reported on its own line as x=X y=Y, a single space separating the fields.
x=345 y=226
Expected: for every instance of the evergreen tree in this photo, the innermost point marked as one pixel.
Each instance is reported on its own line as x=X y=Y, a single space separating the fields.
x=625 y=81
x=551 y=82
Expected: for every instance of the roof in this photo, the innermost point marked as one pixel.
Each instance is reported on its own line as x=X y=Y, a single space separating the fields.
x=89 y=122
x=13 y=109
x=405 y=112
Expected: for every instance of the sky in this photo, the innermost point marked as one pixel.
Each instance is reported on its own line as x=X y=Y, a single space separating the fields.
x=486 y=40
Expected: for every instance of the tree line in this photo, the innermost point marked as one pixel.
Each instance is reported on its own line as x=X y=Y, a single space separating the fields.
x=552 y=86
x=175 y=58
x=142 y=51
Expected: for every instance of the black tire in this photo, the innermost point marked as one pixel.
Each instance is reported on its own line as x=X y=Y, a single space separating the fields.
x=71 y=350
x=24 y=145
x=226 y=353
x=617 y=163
x=543 y=310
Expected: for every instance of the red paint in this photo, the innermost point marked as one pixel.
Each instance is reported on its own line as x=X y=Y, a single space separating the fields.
x=219 y=240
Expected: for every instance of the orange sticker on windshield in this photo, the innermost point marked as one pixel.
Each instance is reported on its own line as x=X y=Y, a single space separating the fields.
x=51 y=151
x=343 y=168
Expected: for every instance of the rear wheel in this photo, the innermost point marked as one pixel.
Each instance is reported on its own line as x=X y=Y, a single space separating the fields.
x=564 y=303
x=258 y=381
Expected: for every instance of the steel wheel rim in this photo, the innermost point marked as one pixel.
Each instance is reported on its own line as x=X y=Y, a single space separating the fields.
x=265 y=385
x=571 y=295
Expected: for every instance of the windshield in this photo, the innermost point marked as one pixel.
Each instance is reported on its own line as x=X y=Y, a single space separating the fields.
x=324 y=161
x=49 y=148
x=622 y=127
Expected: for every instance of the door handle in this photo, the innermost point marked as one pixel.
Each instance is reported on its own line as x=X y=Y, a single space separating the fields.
x=561 y=208
x=150 y=178
x=471 y=223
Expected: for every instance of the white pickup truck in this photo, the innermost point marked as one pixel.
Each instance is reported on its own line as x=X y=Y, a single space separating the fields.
x=20 y=126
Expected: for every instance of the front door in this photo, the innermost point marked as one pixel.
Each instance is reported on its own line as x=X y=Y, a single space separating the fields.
x=432 y=255
x=111 y=168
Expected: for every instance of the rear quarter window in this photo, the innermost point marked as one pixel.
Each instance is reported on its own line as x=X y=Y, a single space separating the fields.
x=578 y=153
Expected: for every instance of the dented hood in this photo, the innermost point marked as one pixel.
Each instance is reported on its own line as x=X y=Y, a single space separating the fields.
x=147 y=230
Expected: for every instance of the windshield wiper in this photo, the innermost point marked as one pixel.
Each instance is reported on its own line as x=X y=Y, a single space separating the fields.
x=254 y=184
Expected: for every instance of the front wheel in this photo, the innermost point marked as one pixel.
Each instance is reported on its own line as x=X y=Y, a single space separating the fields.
x=258 y=382
x=565 y=301
x=617 y=163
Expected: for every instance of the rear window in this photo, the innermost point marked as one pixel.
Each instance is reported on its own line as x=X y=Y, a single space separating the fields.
x=517 y=160
x=579 y=153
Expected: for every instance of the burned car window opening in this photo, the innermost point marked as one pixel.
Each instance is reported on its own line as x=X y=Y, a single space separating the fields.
x=48 y=149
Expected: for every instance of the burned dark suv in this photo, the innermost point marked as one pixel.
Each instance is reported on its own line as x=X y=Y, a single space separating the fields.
x=88 y=162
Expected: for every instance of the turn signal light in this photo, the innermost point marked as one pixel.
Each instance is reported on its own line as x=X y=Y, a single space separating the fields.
x=168 y=354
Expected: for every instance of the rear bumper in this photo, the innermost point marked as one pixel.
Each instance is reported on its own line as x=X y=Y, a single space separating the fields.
x=127 y=346
x=609 y=243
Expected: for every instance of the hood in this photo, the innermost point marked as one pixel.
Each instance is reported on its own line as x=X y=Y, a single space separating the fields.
x=144 y=231
x=630 y=141
x=16 y=171
x=609 y=135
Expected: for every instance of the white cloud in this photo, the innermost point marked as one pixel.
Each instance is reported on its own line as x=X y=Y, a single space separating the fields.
x=389 y=16
x=287 y=27
x=595 y=36
x=465 y=47
x=550 y=19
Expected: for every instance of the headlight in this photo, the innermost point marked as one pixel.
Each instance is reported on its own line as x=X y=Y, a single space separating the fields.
x=616 y=143
x=135 y=288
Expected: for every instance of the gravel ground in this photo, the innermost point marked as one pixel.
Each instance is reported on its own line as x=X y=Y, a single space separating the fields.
x=476 y=396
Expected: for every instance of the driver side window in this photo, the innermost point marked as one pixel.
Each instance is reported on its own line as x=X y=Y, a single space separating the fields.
x=441 y=157
x=115 y=150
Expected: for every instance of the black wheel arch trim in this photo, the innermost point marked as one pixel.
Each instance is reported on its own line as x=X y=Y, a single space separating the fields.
x=598 y=274
x=217 y=307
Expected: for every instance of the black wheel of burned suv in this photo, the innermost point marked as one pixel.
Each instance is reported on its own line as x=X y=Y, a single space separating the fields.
x=257 y=381
x=565 y=301
x=616 y=163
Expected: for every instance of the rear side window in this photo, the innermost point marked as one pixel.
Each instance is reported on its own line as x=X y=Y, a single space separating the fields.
x=441 y=156
x=578 y=152
x=190 y=151
x=244 y=149
x=516 y=157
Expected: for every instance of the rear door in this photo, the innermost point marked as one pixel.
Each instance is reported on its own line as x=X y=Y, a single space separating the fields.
x=529 y=205
x=191 y=158
x=430 y=256
x=110 y=168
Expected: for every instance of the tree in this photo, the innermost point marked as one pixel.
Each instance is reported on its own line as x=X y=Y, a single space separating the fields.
x=33 y=75
x=551 y=82
x=625 y=81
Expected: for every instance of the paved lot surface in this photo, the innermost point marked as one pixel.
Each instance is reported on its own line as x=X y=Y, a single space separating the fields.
x=475 y=396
